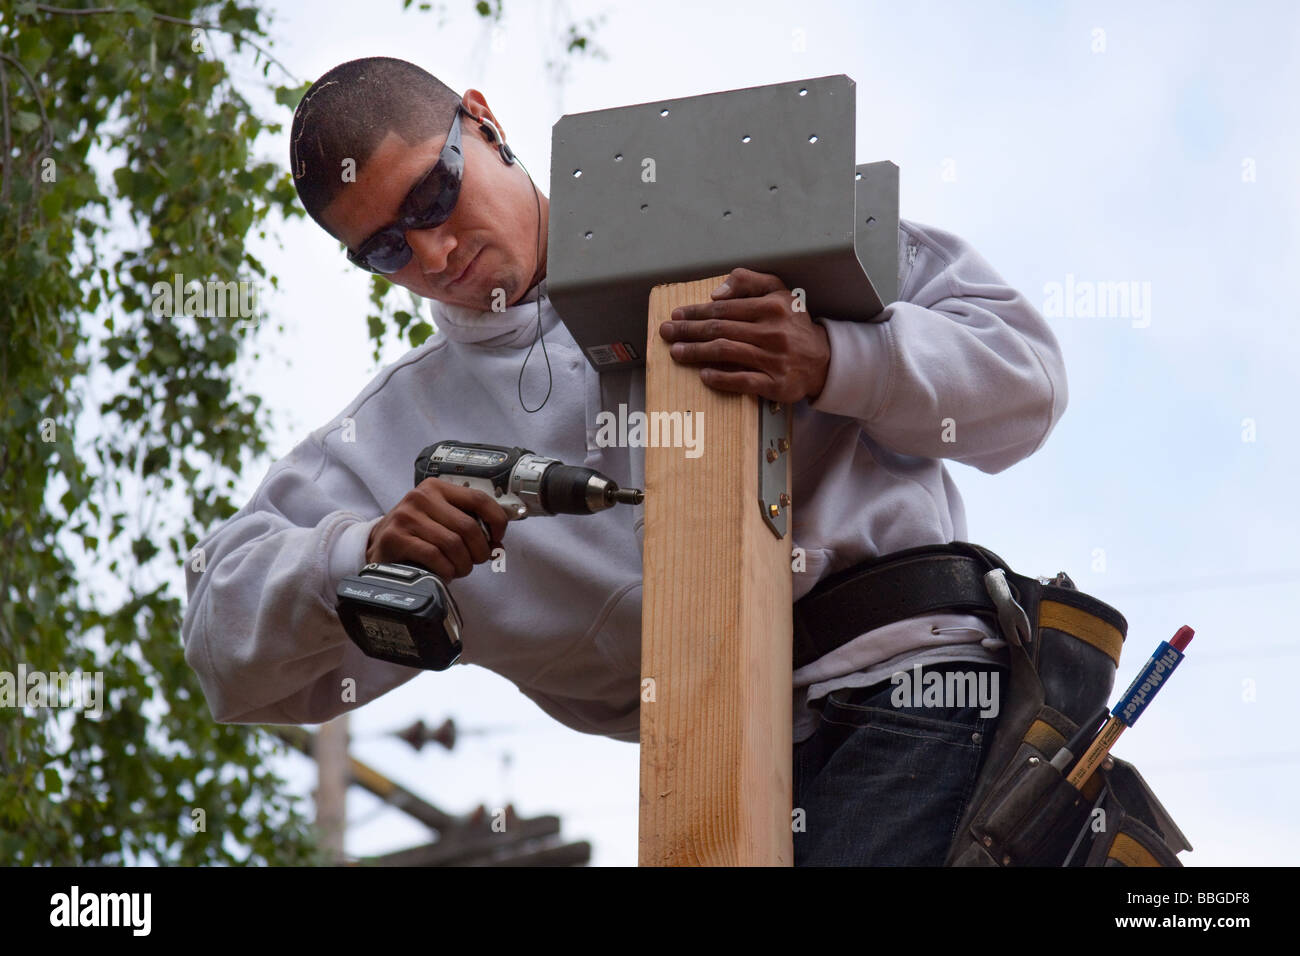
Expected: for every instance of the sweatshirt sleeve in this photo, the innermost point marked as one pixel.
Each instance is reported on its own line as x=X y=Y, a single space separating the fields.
x=963 y=367
x=260 y=628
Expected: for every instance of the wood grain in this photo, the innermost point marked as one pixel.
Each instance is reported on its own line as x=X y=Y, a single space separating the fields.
x=716 y=630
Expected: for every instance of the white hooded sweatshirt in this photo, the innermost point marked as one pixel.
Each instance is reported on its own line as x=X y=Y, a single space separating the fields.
x=563 y=620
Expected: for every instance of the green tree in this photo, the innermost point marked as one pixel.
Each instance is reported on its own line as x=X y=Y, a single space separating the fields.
x=129 y=158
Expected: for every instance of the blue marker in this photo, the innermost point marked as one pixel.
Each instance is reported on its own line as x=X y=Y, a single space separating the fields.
x=1140 y=693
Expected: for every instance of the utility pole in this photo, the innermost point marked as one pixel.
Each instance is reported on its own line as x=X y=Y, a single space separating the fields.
x=482 y=837
x=330 y=750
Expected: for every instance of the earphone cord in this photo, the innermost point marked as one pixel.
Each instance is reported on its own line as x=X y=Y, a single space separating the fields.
x=540 y=334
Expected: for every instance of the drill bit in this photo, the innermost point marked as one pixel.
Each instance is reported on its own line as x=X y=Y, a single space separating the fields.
x=627 y=496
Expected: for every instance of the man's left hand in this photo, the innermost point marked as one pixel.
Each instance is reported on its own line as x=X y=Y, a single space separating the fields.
x=751 y=339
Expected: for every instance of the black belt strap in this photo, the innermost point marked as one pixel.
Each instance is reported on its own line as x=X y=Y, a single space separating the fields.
x=892 y=587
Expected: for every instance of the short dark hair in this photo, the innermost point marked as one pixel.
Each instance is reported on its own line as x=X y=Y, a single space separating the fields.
x=348 y=112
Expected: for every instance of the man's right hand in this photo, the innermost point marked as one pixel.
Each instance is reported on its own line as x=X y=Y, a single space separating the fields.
x=434 y=526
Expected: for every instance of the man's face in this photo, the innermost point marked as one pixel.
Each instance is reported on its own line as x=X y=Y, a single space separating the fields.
x=494 y=222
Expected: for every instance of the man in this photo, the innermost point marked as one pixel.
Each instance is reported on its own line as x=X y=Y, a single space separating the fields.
x=964 y=368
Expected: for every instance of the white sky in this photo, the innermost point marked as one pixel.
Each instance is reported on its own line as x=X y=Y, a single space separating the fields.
x=1108 y=166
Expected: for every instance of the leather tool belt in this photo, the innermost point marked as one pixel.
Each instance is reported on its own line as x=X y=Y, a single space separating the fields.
x=1064 y=650
x=893 y=587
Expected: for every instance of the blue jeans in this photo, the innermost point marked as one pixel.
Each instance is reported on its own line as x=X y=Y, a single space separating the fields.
x=882 y=785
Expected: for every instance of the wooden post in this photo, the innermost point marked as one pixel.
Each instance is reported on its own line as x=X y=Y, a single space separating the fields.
x=331 y=753
x=716 y=629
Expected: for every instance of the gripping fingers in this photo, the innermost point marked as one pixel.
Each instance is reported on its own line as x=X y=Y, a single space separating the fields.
x=429 y=556
x=477 y=505
x=452 y=547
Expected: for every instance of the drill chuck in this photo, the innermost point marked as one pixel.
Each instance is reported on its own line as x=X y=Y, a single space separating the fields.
x=576 y=490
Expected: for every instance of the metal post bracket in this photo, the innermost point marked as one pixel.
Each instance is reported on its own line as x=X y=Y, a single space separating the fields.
x=664 y=192
x=773 y=445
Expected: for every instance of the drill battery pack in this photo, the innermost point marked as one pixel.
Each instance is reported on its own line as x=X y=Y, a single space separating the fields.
x=401 y=613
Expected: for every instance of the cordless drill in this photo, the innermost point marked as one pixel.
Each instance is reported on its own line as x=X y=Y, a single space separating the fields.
x=402 y=612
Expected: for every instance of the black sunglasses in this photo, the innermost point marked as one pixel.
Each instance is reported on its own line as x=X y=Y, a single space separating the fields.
x=428 y=204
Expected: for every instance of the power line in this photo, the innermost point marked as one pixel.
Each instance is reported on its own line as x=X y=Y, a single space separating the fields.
x=1216 y=582
x=1267 y=650
x=1225 y=762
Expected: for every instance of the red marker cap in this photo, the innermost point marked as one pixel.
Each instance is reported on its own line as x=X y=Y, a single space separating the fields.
x=1180 y=640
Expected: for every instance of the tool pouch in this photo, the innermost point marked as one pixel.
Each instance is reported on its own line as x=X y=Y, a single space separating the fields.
x=1132 y=829
x=1064 y=649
